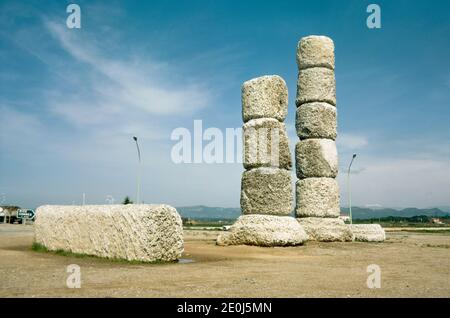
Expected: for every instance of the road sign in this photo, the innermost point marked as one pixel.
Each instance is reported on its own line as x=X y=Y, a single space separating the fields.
x=25 y=214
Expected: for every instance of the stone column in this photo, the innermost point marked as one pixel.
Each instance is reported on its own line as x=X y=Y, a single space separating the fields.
x=266 y=188
x=317 y=191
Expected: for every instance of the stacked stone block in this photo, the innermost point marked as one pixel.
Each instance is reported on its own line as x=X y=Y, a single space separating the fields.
x=317 y=191
x=266 y=185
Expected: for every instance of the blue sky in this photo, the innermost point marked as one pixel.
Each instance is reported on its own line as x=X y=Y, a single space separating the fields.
x=71 y=99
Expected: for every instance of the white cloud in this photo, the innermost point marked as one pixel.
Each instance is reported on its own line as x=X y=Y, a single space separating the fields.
x=399 y=182
x=351 y=141
x=373 y=206
x=18 y=128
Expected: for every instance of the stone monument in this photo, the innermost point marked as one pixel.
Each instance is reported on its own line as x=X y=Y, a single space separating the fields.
x=266 y=185
x=317 y=191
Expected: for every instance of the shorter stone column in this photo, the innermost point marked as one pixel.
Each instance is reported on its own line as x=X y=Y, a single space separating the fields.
x=266 y=186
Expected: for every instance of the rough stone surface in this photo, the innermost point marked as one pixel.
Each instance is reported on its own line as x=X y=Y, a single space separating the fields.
x=140 y=232
x=317 y=197
x=315 y=51
x=326 y=229
x=266 y=191
x=264 y=230
x=316 y=84
x=266 y=144
x=368 y=232
x=316 y=120
x=316 y=158
x=265 y=97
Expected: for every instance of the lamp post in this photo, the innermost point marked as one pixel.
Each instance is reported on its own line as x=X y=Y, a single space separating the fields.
x=349 y=190
x=139 y=171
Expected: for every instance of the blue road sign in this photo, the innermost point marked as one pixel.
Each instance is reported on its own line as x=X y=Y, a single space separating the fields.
x=25 y=214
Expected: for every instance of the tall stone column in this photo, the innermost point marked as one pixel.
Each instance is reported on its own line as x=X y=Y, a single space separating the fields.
x=266 y=188
x=317 y=191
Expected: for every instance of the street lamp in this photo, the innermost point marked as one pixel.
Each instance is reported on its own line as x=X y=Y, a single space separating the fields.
x=349 y=192
x=139 y=171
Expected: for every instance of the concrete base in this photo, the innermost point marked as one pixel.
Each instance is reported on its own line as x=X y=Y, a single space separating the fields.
x=368 y=232
x=264 y=230
x=326 y=229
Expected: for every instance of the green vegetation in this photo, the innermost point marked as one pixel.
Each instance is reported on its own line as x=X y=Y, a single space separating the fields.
x=415 y=221
x=428 y=231
x=39 y=247
x=367 y=213
x=193 y=223
x=127 y=200
x=438 y=245
x=42 y=249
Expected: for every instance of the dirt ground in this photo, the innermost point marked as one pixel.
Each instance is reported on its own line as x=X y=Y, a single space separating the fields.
x=412 y=265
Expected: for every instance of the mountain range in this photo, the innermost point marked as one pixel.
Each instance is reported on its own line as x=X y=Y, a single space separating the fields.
x=214 y=213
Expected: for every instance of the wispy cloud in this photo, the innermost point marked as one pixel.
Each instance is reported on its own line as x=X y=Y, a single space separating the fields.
x=120 y=86
x=351 y=141
x=399 y=182
x=97 y=94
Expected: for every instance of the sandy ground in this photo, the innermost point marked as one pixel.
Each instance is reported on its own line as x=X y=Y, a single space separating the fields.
x=411 y=265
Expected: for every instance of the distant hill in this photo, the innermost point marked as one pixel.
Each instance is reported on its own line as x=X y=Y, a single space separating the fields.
x=444 y=208
x=367 y=213
x=206 y=212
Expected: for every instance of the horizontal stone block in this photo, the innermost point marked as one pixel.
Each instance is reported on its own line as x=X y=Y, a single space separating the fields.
x=368 y=232
x=134 y=232
x=316 y=120
x=265 y=97
x=317 y=197
x=316 y=84
x=264 y=230
x=266 y=144
x=326 y=229
x=266 y=191
x=315 y=51
x=316 y=158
